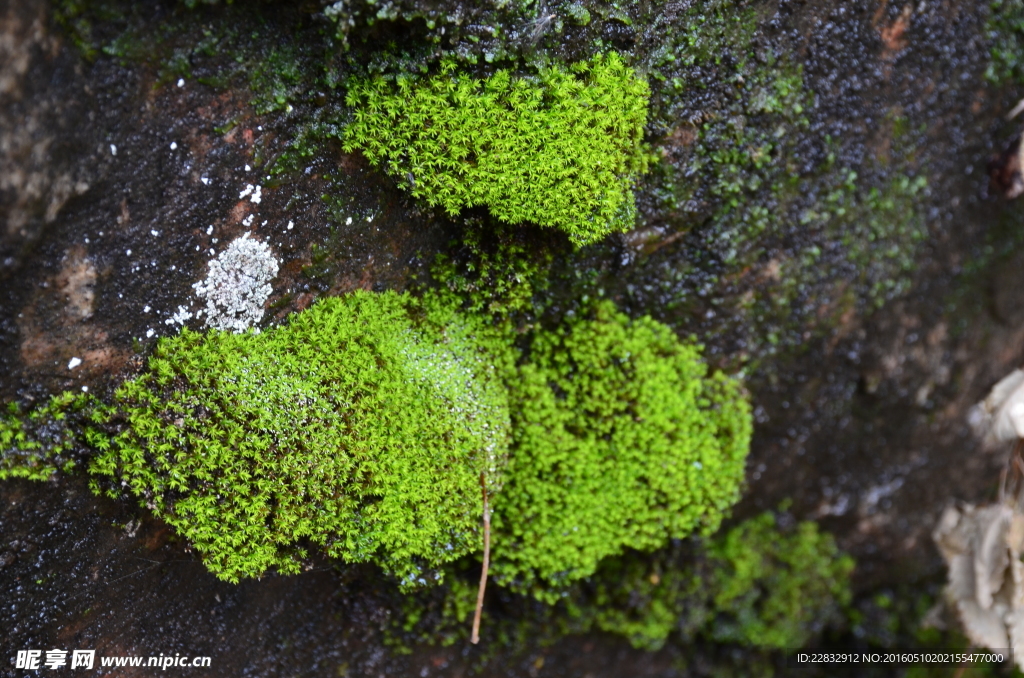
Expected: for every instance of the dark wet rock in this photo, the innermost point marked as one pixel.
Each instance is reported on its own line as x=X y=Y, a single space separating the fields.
x=117 y=187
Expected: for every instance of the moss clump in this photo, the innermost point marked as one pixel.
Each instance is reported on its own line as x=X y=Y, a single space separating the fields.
x=646 y=599
x=620 y=440
x=560 y=150
x=362 y=426
x=776 y=590
x=757 y=585
x=38 y=443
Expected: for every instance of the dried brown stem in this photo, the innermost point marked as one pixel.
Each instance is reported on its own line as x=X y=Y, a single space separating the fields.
x=487 y=564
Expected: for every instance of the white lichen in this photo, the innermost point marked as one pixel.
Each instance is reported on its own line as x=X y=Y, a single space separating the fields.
x=238 y=284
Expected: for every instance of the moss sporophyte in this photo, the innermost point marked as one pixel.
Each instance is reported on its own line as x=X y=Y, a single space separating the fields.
x=560 y=150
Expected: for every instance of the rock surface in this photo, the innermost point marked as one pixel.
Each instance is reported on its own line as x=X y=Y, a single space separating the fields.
x=117 y=189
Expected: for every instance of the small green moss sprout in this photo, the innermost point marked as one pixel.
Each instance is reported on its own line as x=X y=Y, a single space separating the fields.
x=560 y=150
x=38 y=443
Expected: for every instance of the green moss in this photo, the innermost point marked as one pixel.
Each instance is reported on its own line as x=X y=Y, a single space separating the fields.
x=1005 y=28
x=493 y=272
x=880 y=231
x=276 y=80
x=776 y=590
x=561 y=150
x=38 y=443
x=362 y=427
x=647 y=599
x=620 y=440
x=758 y=585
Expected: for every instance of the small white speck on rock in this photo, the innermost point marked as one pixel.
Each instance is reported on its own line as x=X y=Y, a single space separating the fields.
x=150 y=332
x=174 y=145
x=146 y=309
x=248 y=169
x=248 y=220
x=291 y=225
x=154 y=232
x=181 y=82
x=74 y=362
x=113 y=149
x=128 y=252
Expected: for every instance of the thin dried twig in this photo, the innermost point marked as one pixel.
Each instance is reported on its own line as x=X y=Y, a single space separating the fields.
x=487 y=564
x=1015 y=111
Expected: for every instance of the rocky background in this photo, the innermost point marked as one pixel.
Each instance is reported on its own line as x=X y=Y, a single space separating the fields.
x=821 y=217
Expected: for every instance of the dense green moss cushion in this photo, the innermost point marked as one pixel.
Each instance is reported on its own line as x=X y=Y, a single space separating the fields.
x=559 y=150
x=620 y=440
x=362 y=426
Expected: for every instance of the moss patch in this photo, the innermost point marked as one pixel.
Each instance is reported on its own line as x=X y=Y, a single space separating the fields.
x=561 y=150
x=759 y=585
x=364 y=424
x=356 y=427
x=776 y=590
x=620 y=440
x=38 y=443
